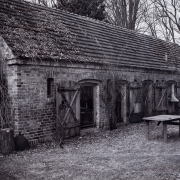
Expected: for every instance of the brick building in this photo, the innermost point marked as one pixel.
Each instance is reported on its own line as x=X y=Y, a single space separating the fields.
x=105 y=72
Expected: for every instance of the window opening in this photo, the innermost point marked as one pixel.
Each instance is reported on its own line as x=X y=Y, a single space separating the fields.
x=50 y=87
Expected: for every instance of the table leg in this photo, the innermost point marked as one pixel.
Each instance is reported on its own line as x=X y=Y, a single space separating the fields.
x=165 y=131
x=147 y=130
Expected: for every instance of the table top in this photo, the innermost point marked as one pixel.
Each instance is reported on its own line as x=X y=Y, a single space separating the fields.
x=162 y=118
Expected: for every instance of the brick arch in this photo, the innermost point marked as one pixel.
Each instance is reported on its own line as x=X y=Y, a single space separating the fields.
x=50 y=73
x=148 y=81
x=89 y=76
x=170 y=82
x=89 y=81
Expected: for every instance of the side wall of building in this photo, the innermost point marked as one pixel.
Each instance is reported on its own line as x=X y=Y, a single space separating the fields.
x=35 y=112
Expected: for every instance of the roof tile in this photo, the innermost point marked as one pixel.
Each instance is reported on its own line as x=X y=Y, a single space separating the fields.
x=35 y=31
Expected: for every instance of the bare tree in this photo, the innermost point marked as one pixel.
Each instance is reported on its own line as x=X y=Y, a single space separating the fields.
x=148 y=21
x=90 y=8
x=123 y=13
x=167 y=12
x=49 y=3
x=161 y=19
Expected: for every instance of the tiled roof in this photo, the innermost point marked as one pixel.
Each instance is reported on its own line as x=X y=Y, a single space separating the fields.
x=34 y=31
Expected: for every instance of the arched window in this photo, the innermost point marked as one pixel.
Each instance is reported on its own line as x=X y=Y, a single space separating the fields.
x=50 y=87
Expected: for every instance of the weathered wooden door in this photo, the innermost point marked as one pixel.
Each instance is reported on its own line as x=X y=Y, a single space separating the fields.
x=68 y=108
x=147 y=98
x=86 y=103
x=172 y=92
x=118 y=108
x=160 y=98
x=177 y=105
x=135 y=99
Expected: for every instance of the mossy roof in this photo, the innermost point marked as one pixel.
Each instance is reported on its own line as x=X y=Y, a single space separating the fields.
x=34 y=31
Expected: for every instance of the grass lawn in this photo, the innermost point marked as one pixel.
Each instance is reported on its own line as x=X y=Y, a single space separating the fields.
x=122 y=153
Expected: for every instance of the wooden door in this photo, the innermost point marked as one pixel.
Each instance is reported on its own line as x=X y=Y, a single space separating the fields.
x=135 y=100
x=147 y=99
x=160 y=98
x=86 y=104
x=118 y=108
x=68 y=108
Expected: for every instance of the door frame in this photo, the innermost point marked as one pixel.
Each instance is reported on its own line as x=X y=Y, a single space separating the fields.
x=96 y=98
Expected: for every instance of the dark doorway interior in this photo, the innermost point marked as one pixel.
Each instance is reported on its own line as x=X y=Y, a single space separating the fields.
x=86 y=102
x=118 y=108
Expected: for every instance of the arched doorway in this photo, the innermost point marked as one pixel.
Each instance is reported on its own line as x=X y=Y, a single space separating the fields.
x=89 y=103
x=86 y=106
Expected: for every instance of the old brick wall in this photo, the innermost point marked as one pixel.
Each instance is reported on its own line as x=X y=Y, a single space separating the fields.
x=35 y=113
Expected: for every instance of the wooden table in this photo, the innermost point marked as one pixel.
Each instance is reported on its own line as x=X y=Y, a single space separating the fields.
x=166 y=119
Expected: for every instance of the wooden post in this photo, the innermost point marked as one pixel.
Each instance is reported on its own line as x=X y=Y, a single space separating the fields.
x=179 y=128
x=124 y=105
x=6 y=141
x=147 y=130
x=165 y=131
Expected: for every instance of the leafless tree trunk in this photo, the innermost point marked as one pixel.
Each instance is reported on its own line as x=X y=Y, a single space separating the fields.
x=122 y=12
x=159 y=18
x=50 y=3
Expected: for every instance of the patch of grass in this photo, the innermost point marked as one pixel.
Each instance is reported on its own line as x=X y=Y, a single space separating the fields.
x=119 y=154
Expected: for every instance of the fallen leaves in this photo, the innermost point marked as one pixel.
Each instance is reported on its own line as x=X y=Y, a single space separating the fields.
x=122 y=153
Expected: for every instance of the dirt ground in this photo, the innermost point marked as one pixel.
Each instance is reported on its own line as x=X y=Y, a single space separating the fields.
x=122 y=153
